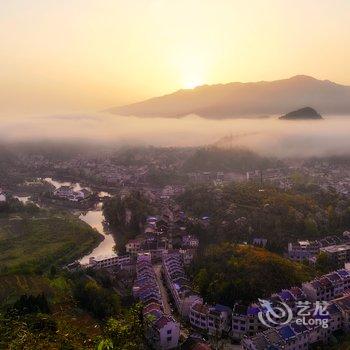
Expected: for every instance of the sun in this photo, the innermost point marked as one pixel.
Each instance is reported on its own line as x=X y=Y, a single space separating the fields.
x=192 y=83
x=192 y=70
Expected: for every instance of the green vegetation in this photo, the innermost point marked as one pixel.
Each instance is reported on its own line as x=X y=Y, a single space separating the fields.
x=160 y=177
x=240 y=212
x=324 y=264
x=124 y=333
x=45 y=308
x=237 y=159
x=63 y=320
x=228 y=273
x=127 y=214
x=41 y=332
x=101 y=302
x=14 y=205
x=32 y=243
x=13 y=286
x=67 y=311
x=46 y=316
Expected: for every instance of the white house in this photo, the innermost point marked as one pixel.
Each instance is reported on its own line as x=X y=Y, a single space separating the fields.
x=2 y=197
x=168 y=332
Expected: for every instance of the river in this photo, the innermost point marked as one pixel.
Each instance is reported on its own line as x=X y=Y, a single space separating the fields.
x=95 y=219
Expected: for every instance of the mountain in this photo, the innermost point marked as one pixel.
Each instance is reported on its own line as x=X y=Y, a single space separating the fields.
x=246 y=99
x=302 y=114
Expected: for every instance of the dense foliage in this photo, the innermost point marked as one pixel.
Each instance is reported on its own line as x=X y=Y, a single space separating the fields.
x=28 y=304
x=101 y=302
x=237 y=159
x=228 y=273
x=127 y=215
x=124 y=333
x=241 y=212
x=14 y=205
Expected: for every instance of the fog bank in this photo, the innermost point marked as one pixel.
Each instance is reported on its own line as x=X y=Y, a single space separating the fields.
x=267 y=136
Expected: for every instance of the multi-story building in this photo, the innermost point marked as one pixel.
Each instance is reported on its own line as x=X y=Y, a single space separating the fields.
x=295 y=335
x=162 y=332
x=319 y=289
x=199 y=316
x=110 y=261
x=245 y=321
x=338 y=253
x=133 y=246
x=212 y=319
x=219 y=319
x=303 y=250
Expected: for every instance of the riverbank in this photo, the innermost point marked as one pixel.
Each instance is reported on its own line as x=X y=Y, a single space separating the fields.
x=91 y=214
x=33 y=243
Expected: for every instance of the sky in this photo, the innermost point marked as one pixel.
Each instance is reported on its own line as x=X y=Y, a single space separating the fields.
x=88 y=55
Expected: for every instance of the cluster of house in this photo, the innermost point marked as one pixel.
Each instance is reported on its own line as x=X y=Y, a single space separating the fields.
x=335 y=247
x=164 y=232
x=161 y=330
x=157 y=246
x=333 y=288
x=216 y=177
x=243 y=322
x=327 y=174
x=211 y=319
x=295 y=335
x=68 y=193
x=280 y=177
x=154 y=245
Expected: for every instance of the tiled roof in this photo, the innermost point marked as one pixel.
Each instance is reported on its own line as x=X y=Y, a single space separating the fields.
x=260 y=342
x=298 y=328
x=163 y=321
x=334 y=277
x=286 y=295
x=286 y=332
x=343 y=303
x=200 y=308
x=343 y=273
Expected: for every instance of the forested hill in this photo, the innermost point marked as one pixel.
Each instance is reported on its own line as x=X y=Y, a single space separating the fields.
x=240 y=212
x=229 y=273
x=236 y=159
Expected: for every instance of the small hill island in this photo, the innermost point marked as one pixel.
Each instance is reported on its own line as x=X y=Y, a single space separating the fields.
x=302 y=114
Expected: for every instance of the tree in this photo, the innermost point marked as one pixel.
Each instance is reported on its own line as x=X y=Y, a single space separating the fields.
x=324 y=264
x=125 y=332
x=101 y=302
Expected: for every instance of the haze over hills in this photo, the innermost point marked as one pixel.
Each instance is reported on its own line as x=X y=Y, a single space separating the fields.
x=246 y=99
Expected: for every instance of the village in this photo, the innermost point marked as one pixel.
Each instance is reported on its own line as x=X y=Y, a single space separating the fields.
x=176 y=315
x=153 y=265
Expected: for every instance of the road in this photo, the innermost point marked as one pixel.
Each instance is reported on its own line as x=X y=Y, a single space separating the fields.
x=163 y=292
x=184 y=332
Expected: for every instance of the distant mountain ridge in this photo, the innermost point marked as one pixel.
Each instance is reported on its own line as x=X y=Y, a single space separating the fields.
x=234 y=100
x=302 y=114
